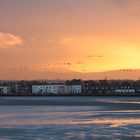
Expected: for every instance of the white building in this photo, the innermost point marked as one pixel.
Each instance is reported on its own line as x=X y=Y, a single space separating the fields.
x=73 y=89
x=50 y=89
x=125 y=90
x=56 y=89
x=5 y=89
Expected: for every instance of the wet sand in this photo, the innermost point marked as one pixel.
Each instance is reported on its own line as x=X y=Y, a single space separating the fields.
x=69 y=118
x=132 y=103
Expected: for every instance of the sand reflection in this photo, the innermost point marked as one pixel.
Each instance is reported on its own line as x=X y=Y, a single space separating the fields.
x=70 y=118
x=69 y=113
x=6 y=115
x=110 y=122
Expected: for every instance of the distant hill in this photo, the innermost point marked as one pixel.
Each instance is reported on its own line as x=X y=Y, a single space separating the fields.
x=67 y=74
x=120 y=74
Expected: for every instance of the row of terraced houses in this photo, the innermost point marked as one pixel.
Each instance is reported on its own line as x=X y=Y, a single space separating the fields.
x=71 y=87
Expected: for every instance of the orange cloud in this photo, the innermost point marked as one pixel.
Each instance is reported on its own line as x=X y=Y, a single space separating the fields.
x=8 y=39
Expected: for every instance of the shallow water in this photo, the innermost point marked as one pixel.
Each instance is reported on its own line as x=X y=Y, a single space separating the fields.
x=77 y=122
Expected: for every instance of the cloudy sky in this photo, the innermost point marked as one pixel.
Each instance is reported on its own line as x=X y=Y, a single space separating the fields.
x=68 y=35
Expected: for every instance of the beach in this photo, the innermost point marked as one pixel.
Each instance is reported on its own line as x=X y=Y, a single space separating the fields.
x=71 y=118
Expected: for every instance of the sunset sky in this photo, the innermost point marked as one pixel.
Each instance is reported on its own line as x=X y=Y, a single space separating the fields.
x=68 y=35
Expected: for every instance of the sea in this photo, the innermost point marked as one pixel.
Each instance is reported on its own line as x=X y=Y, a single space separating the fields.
x=69 y=118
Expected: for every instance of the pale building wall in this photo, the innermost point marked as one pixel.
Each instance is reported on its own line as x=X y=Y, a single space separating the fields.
x=5 y=89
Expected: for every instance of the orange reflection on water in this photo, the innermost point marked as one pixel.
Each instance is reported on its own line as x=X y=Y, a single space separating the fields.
x=6 y=115
x=111 y=122
x=70 y=113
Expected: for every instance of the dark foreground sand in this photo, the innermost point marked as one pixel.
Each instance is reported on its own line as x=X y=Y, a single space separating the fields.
x=132 y=103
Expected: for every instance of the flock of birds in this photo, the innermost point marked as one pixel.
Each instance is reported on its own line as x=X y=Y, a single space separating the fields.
x=64 y=65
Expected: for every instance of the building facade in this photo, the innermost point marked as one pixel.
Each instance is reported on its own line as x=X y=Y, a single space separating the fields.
x=56 y=89
x=124 y=90
x=5 y=89
x=73 y=89
x=48 y=89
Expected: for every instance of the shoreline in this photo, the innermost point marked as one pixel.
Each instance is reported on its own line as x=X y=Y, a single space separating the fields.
x=73 y=95
x=126 y=103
